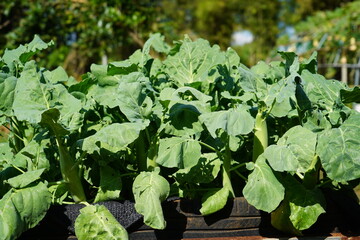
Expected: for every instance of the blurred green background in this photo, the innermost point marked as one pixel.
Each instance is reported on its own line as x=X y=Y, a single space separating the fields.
x=93 y=31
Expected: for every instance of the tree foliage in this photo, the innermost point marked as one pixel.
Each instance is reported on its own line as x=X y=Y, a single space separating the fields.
x=334 y=34
x=88 y=31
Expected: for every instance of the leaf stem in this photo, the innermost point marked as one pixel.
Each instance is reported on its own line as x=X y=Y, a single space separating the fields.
x=238 y=166
x=17 y=168
x=324 y=183
x=210 y=147
x=56 y=183
x=240 y=175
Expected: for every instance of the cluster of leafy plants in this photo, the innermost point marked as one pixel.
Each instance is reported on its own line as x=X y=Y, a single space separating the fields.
x=192 y=122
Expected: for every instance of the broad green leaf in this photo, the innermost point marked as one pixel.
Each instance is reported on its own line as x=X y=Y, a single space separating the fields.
x=293 y=152
x=104 y=95
x=122 y=67
x=25 y=179
x=32 y=98
x=24 y=52
x=193 y=62
x=271 y=73
x=249 y=81
x=132 y=98
x=338 y=149
x=58 y=75
x=280 y=219
x=263 y=190
x=183 y=120
x=178 y=152
x=49 y=119
x=33 y=47
x=189 y=94
x=280 y=93
x=150 y=189
x=95 y=222
x=306 y=205
x=6 y=173
x=310 y=64
x=214 y=201
x=6 y=154
x=321 y=91
x=7 y=89
x=205 y=171
x=235 y=121
x=157 y=42
x=33 y=154
x=281 y=158
x=115 y=137
x=23 y=209
x=350 y=95
x=101 y=74
x=110 y=184
x=292 y=64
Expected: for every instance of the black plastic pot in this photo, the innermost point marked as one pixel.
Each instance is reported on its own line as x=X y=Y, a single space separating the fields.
x=184 y=220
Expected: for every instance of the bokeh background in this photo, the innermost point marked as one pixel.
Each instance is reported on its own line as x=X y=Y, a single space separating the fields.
x=94 y=31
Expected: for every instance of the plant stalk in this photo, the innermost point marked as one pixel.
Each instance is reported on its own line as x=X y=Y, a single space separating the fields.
x=70 y=172
x=140 y=152
x=260 y=135
x=311 y=176
x=226 y=171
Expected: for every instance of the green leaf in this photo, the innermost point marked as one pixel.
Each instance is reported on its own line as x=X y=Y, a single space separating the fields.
x=249 y=81
x=214 y=201
x=34 y=155
x=101 y=74
x=150 y=189
x=23 y=209
x=293 y=152
x=306 y=205
x=235 y=121
x=321 y=91
x=157 y=42
x=7 y=89
x=132 y=98
x=49 y=119
x=24 y=52
x=110 y=184
x=95 y=222
x=32 y=98
x=183 y=120
x=104 y=95
x=350 y=95
x=205 y=171
x=263 y=190
x=338 y=149
x=189 y=94
x=178 y=152
x=58 y=75
x=292 y=64
x=25 y=179
x=271 y=72
x=6 y=155
x=114 y=137
x=122 y=67
x=193 y=62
